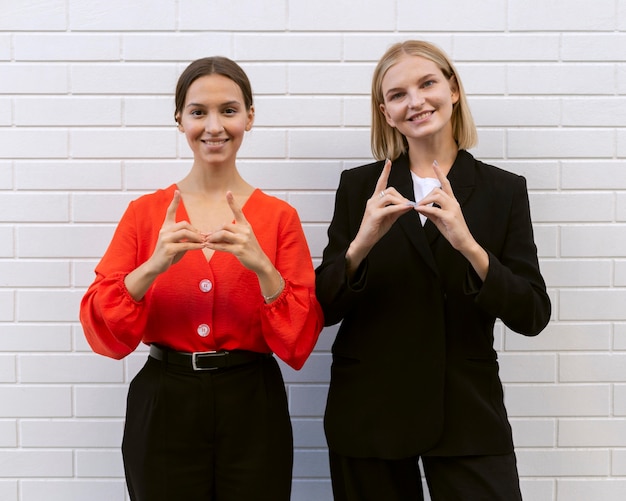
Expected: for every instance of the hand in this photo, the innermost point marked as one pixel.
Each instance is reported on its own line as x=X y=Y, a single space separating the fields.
x=175 y=239
x=447 y=215
x=239 y=239
x=382 y=210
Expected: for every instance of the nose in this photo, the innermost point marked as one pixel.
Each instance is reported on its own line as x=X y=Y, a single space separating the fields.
x=416 y=99
x=213 y=124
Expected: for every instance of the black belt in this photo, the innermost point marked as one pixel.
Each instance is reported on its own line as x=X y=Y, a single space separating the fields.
x=205 y=360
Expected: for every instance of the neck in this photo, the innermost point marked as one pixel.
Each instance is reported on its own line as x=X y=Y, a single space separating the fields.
x=213 y=180
x=423 y=154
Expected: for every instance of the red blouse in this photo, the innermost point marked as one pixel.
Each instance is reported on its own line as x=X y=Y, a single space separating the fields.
x=200 y=305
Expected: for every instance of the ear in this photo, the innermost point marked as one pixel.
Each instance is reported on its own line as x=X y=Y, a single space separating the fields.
x=250 y=118
x=383 y=110
x=454 y=89
x=180 y=126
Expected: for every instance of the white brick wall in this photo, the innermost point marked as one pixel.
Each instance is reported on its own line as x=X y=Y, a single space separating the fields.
x=86 y=125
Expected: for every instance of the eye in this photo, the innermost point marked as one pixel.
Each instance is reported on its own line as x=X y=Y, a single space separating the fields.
x=429 y=83
x=230 y=111
x=396 y=95
x=196 y=113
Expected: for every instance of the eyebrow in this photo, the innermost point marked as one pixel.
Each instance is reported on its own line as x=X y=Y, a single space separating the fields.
x=227 y=103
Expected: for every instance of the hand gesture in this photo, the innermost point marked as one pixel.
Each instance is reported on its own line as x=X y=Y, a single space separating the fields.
x=382 y=210
x=446 y=213
x=175 y=238
x=239 y=239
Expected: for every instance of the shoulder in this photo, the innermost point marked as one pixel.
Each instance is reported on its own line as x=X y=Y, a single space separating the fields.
x=154 y=200
x=264 y=207
x=492 y=175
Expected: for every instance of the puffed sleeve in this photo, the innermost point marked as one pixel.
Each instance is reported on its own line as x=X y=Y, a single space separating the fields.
x=113 y=322
x=292 y=323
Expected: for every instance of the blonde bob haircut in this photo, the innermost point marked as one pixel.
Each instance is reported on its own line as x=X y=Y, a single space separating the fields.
x=386 y=141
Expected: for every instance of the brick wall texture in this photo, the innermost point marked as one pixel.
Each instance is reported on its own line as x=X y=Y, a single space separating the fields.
x=86 y=125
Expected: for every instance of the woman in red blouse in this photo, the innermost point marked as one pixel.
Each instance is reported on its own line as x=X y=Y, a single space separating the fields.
x=215 y=276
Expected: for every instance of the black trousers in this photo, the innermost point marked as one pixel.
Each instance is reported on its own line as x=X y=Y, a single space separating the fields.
x=222 y=435
x=464 y=478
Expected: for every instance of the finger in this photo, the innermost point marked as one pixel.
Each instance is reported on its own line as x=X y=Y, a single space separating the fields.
x=170 y=215
x=445 y=183
x=381 y=184
x=234 y=207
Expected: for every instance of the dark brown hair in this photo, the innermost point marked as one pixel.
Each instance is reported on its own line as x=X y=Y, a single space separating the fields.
x=211 y=66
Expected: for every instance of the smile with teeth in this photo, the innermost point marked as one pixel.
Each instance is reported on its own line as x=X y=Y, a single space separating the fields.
x=421 y=116
x=214 y=142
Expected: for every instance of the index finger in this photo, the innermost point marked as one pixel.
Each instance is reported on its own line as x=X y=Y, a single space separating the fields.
x=381 y=184
x=237 y=212
x=170 y=215
x=445 y=184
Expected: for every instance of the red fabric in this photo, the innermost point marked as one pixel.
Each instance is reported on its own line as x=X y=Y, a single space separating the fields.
x=175 y=307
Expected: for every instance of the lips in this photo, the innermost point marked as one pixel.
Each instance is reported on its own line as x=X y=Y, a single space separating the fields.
x=417 y=117
x=214 y=142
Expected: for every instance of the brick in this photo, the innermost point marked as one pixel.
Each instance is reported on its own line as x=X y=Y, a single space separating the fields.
x=595 y=46
x=119 y=15
x=337 y=144
x=6 y=175
x=101 y=401
x=8 y=490
x=71 y=433
x=564 y=337
x=607 y=175
x=7 y=305
x=552 y=143
x=560 y=15
x=34 y=16
x=598 y=305
x=63 y=241
x=321 y=79
x=371 y=46
x=70 y=368
x=175 y=47
x=510 y=47
x=311 y=464
x=8 y=436
x=19 y=143
x=557 y=400
x=592 y=433
x=531 y=368
x=67 y=111
x=577 y=273
x=572 y=207
x=68 y=175
x=313 y=207
x=66 y=47
x=563 y=463
x=149 y=111
x=619 y=342
x=311 y=490
x=306 y=400
x=288 y=47
x=308 y=433
x=592 y=367
x=517 y=111
x=534 y=432
x=297 y=111
x=101 y=207
x=6 y=113
x=35 y=208
x=100 y=463
x=94 y=490
x=261 y=15
x=123 y=78
x=591 y=241
x=560 y=79
x=28 y=464
x=17 y=78
x=448 y=15
x=35 y=338
x=35 y=401
x=123 y=143
x=606 y=489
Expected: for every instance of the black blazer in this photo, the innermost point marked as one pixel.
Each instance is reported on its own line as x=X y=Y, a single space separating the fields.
x=414 y=371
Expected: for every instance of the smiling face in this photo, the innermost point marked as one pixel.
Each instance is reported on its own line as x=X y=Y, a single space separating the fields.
x=418 y=99
x=214 y=118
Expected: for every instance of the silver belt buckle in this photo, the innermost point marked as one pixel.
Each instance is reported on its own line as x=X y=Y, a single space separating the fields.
x=194 y=359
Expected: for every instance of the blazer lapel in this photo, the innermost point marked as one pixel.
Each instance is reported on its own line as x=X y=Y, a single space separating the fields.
x=400 y=179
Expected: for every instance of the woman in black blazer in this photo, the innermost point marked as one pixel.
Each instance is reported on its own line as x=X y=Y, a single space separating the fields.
x=426 y=250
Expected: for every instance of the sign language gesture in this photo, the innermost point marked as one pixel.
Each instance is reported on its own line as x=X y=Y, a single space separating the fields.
x=445 y=212
x=238 y=238
x=382 y=210
x=175 y=238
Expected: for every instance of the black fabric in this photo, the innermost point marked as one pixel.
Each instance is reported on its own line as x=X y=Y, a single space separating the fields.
x=220 y=435
x=464 y=478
